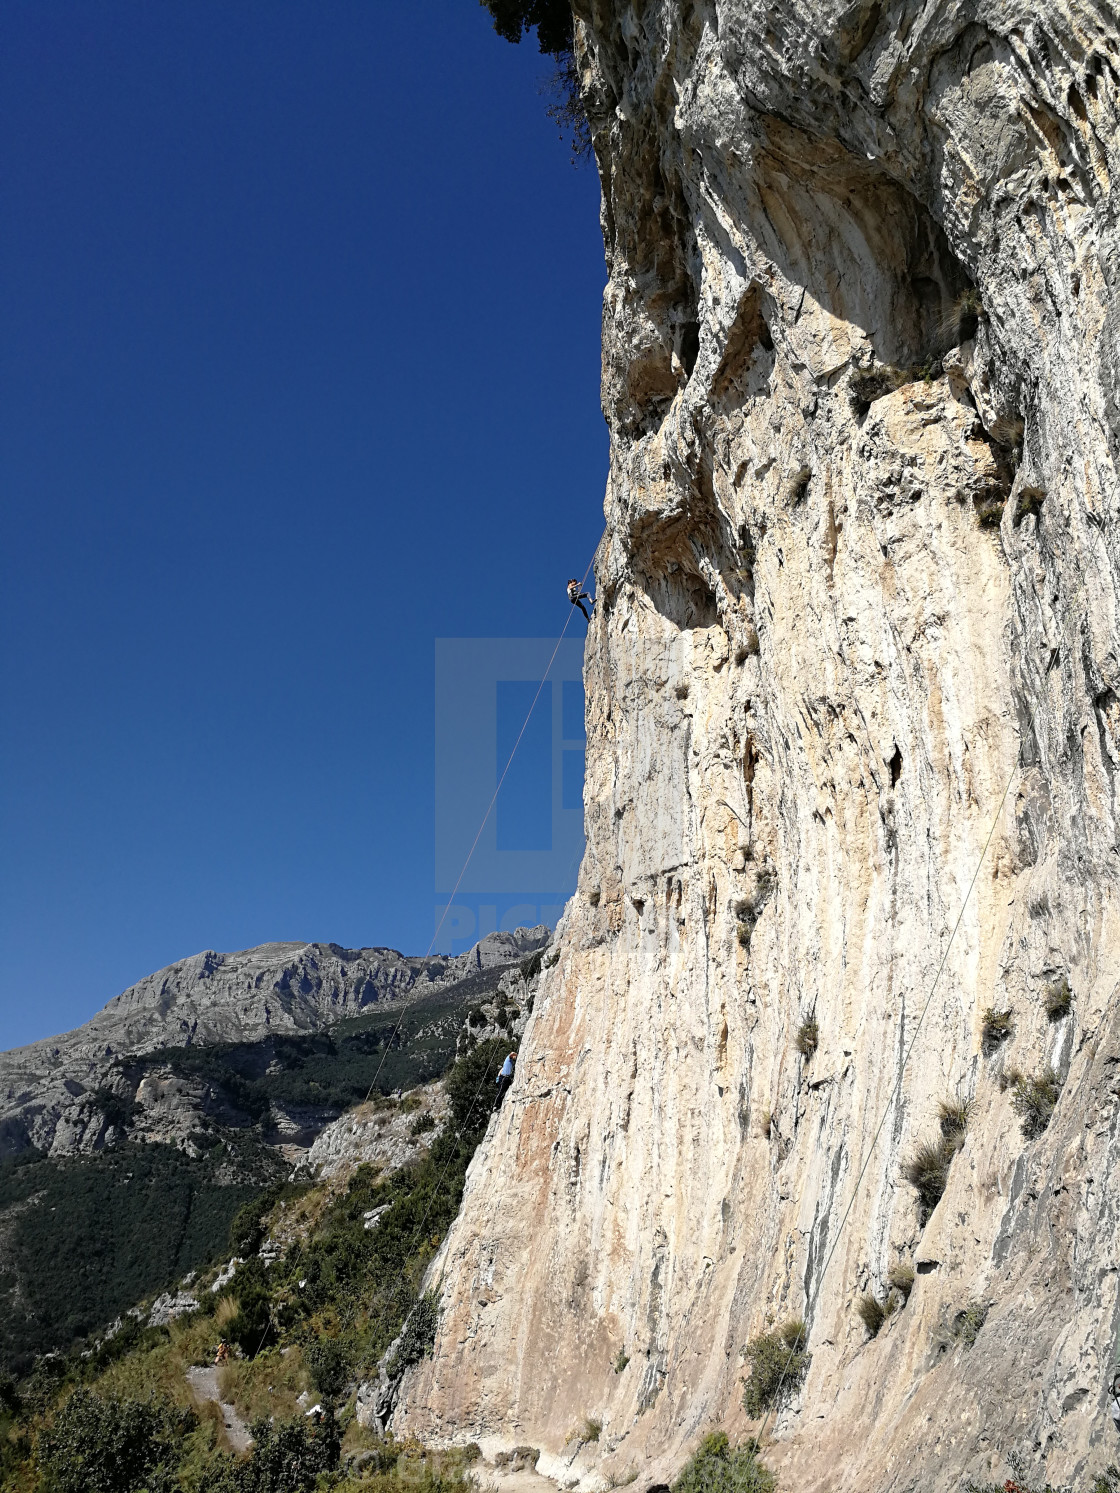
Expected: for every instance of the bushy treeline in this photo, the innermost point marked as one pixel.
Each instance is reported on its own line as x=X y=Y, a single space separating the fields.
x=90 y=1236
x=120 y=1418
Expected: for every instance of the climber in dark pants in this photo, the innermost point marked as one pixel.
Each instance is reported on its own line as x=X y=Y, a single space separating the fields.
x=505 y=1078
x=578 y=597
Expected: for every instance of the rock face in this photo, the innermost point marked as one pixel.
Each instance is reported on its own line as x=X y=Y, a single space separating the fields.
x=855 y=667
x=386 y=1138
x=48 y=1089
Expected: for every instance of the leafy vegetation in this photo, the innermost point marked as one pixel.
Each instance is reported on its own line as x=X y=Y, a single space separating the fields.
x=1034 y=1099
x=103 y=1446
x=322 y=1315
x=552 y=21
x=808 y=1037
x=995 y=1027
x=717 y=1467
x=89 y=1237
x=1057 y=998
x=968 y=1322
x=778 y=1362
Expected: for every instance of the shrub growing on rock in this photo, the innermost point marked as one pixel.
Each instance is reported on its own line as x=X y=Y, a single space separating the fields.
x=927 y=1171
x=968 y=1322
x=718 y=1467
x=995 y=1027
x=1033 y=1100
x=778 y=1362
x=808 y=1038
x=1058 y=998
x=418 y=1336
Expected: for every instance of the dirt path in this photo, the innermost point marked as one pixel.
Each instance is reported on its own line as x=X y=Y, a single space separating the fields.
x=204 y=1382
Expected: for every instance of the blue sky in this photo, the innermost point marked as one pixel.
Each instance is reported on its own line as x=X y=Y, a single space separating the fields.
x=300 y=372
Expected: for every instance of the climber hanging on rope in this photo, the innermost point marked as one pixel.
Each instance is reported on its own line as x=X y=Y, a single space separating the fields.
x=505 y=1078
x=578 y=597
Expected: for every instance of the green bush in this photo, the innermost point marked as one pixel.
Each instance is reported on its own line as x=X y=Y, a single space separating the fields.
x=328 y=1362
x=110 y=1446
x=778 y=1362
x=717 y=1467
x=419 y=1335
x=252 y=1327
x=287 y=1457
x=531 y=966
x=1034 y=1099
x=995 y=1027
x=967 y=1323
x=471 y=1084
x=118 y=1109
x=808 y=1038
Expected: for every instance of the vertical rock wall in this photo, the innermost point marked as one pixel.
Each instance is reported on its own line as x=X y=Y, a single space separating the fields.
x=858 y=614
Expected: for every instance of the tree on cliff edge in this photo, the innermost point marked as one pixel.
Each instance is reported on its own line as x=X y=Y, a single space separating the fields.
x=552 y=19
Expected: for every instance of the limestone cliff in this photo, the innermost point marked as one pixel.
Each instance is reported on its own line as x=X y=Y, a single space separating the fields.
x=859 y=580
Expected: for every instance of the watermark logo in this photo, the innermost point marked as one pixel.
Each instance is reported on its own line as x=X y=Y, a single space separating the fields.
x=524 y=864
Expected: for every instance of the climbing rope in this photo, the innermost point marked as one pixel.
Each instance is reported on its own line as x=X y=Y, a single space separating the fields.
x=799 y=1343
x=482 y=825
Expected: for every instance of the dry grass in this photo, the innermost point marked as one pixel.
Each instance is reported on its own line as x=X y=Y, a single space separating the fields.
x=225 y=1312
x=160 y=1372
x=927 y=1171
x=901 y=1278
x=871 y=1313
x=953 y=1116
x=268 y=1384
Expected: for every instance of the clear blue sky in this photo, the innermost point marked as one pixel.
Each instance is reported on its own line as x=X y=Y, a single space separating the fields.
x=299 y=372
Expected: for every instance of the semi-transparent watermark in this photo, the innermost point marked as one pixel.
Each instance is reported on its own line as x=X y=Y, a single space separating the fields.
x=524 y=866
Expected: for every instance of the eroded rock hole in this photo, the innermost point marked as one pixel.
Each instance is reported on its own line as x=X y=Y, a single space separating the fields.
x=895 y=766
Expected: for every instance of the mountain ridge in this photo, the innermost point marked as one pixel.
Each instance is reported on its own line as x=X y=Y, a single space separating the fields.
x=52 y=1095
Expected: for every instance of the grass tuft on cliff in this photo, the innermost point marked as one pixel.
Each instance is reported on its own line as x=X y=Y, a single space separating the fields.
x=927 y=1171
x=1034 y=1099
x=718 y=1467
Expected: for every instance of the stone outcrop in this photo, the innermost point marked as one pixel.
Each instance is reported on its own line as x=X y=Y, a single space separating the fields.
x=854 y=667
x=67 y=1094
x=377 y=1135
